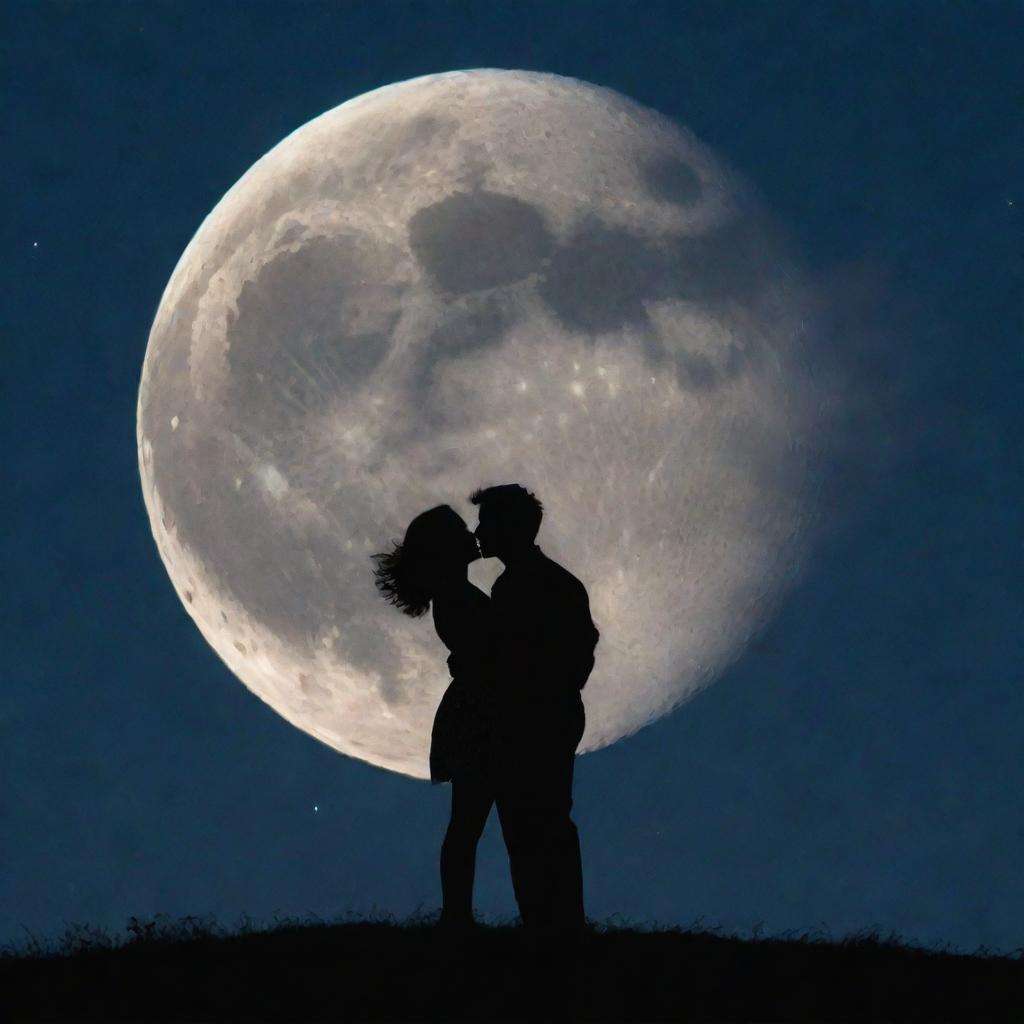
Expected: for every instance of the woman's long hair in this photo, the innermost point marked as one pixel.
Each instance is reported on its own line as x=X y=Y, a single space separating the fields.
x=405 y=574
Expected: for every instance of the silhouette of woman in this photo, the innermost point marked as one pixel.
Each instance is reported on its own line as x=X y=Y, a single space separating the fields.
x=429 y=568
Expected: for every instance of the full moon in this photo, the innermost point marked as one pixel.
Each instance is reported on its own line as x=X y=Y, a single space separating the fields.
x=466 y=279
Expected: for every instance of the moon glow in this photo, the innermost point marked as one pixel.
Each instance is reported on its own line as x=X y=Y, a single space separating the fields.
x=465 y=279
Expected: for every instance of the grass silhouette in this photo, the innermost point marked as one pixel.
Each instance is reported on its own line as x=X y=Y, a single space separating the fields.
x=377 y=969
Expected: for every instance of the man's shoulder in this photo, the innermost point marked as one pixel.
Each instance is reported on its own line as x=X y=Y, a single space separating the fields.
x=553 y=582
x=542 y=574
x=557 y=574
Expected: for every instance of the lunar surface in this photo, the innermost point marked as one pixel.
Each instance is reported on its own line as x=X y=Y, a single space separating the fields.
x=466 y=279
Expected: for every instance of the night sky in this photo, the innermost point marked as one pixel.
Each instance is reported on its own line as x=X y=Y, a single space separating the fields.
x=861 y=766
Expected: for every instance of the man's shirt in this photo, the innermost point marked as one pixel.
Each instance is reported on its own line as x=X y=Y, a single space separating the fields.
x=544 y=637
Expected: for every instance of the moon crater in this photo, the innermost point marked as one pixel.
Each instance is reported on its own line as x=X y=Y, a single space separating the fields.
x=504 y=239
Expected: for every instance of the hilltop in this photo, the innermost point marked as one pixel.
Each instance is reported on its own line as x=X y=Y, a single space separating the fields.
x=383 y=970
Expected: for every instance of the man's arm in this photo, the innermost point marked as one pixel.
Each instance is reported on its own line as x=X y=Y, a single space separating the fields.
x=579 y=637
x=544 y=635
x=558 y=632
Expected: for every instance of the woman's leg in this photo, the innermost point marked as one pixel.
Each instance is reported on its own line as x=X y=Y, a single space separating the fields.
x=471 y=804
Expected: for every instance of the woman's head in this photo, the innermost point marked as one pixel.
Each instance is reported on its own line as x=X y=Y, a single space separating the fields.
x=437 y=547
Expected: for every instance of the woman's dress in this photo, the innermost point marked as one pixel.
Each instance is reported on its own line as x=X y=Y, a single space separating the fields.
x=461 y=738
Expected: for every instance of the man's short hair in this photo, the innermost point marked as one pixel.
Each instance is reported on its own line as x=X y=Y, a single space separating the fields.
x=518 y=509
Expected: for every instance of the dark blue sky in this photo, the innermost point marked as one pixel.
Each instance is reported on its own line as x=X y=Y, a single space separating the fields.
x=862 y=766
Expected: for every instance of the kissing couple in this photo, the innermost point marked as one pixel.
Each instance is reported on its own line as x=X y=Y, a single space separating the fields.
x=507 y=728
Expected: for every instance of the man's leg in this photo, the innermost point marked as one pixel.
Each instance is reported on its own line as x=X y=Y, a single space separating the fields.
x=512 y=799
x=568 y=904
x=560 y=873
x=534 y=804
x=570 y=886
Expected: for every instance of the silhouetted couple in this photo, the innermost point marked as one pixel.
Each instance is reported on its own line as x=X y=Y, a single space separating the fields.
x=508 y=726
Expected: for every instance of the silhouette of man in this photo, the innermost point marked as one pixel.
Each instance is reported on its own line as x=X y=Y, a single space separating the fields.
x=543 y=642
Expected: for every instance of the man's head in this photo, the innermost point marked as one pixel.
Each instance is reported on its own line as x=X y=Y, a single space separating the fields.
x=509 y=520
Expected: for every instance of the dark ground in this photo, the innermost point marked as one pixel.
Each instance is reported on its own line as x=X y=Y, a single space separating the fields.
x=376 y=970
